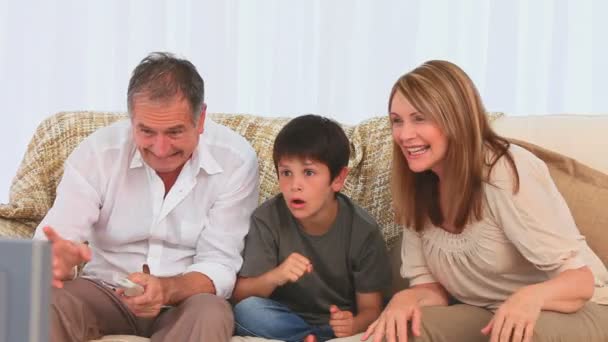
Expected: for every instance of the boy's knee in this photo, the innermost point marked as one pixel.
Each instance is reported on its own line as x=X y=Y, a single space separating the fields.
x=248 y=306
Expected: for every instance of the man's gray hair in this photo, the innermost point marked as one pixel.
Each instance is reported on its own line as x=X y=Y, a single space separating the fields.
x=162 y=76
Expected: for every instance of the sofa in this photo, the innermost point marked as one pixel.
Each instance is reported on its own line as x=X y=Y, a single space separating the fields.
x=573 y=146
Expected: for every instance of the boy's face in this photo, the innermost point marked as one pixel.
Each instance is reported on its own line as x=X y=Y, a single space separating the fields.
x=308 y=189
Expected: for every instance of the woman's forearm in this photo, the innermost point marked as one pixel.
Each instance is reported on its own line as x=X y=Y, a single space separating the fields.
x=567 y=292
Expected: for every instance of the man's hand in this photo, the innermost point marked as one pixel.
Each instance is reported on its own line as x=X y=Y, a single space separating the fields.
x=292 y=269
x=341 y=322
x=66 y=254
x=151 y=301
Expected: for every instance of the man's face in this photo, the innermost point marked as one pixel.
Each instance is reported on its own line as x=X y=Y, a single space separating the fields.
x=164 y=132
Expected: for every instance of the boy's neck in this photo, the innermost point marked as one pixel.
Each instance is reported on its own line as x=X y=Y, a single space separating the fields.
x=321 y=223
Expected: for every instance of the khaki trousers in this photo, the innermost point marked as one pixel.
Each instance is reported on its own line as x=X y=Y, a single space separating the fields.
x=84 y=309
x=463 y=322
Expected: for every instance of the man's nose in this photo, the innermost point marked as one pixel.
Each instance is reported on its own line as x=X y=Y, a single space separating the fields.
x=161 y=147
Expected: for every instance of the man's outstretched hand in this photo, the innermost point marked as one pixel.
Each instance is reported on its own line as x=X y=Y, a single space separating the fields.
x=66 y=254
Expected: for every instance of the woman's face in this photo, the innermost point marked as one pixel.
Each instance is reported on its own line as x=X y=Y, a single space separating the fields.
x=422 y=142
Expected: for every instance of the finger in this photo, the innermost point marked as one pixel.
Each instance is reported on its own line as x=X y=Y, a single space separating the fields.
x=300 y=258
x=333 y=308
x=338 y=316
x=84 y=251
x=416 y=319
x=390 y=329
x=496 y=328
x=380 y=330
x=518 y=332
x=369 y=330
x=506 y=330
x=297 y=274
x=529 y=332
x=488 y=328
x=139 y=278
x=57 y=283
x=51 y=234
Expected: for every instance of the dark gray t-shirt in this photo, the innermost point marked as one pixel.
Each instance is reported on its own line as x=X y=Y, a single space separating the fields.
x=351 y=257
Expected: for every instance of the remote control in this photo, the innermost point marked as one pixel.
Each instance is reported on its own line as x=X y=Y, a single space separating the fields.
x=131 y=289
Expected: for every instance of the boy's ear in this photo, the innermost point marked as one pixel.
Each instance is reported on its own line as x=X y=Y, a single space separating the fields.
x=338 y=182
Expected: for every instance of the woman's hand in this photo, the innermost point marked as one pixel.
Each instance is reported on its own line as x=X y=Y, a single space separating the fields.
x=516 y=317
x=392 y=323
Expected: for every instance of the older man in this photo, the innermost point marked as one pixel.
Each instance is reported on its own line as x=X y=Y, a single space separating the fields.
x=164 y=200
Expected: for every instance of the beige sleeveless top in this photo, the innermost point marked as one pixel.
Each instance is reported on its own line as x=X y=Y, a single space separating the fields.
x=523 y=239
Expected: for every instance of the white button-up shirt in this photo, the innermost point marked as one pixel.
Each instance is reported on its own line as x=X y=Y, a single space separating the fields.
x=111 y=198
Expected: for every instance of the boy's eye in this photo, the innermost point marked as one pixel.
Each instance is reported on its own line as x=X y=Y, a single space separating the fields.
x=309 y=172
x=285 y=173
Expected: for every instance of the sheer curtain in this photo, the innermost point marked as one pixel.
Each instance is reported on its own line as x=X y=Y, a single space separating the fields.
x=282 y=58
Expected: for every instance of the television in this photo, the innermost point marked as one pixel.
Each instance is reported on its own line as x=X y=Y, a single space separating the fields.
x=25 y=290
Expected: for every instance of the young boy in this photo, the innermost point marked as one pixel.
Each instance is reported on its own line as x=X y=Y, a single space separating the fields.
x=314 y=264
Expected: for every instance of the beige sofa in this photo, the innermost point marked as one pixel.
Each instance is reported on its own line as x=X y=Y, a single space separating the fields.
x=577 y=136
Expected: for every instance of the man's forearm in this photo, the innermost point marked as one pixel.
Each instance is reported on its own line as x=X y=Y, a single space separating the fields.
x=178 y=288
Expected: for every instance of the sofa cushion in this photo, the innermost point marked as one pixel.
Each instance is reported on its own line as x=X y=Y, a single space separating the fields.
x=586 y=193
x=577 y=136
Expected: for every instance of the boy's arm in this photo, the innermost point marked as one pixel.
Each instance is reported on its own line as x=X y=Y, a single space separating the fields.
x=369 y=307
x=261 y=286
x=290 y=270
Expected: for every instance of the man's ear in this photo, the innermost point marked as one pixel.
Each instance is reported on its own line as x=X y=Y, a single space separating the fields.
x=200 y=125
x=338 y=182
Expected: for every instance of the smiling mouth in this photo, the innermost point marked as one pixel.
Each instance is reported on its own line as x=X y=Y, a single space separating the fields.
x=418 y=150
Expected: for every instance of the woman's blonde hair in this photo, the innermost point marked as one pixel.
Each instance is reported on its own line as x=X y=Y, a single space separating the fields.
x=447 y=96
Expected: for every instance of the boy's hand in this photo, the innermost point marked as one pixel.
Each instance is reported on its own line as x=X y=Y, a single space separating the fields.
x=341 y=322
x=292 y=269
x=65 y=254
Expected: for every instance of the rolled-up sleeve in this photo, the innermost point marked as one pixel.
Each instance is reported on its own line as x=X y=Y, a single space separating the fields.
x=414 y=266
x=78 y=200
x=536 y=219
x=219 y=247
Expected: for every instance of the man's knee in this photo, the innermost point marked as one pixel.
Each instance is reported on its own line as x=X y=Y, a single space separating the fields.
x=208 y=307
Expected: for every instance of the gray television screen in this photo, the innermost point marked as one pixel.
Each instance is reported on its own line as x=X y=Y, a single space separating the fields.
x=25 y=288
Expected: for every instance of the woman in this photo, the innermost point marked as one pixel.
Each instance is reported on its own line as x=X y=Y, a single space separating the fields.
x=486 y=227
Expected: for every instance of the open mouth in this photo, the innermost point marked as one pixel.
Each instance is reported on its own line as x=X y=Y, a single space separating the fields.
x=297 y=201
x=417 y=150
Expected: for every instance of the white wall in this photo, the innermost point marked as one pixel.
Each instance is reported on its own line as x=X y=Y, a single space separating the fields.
x=282 y=57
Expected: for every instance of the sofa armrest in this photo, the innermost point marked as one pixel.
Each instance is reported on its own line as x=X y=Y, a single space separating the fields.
x=15 y=229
